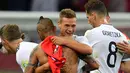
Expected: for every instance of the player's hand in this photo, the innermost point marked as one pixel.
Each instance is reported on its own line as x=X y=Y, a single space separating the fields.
x=58 y=40
x=43 y=68
x=124 y=47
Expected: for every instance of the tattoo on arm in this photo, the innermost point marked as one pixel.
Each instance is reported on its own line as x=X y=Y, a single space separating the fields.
x=32 y=62
x=33 y=52
x=91 y=63
x=87 y=58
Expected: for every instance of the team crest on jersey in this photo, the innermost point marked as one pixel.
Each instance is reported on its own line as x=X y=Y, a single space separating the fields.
x=24 y=63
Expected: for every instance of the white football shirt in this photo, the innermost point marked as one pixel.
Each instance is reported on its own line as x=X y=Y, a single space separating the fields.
x=23 y=54
x=84 y=40
x=103 y=40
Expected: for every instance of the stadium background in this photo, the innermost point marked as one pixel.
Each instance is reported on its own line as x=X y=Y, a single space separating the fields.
x=26 y=13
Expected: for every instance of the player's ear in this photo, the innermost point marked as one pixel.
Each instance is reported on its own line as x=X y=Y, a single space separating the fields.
x=108 y=18
x=5 y=41
x=93 y=14
x=54 y=29
x=59 y=23
x=23 y=36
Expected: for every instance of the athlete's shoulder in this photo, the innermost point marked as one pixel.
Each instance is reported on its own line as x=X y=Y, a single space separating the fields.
x=24 y=43
x=79 y=37
x=27 y=45
x=87 y=32
x=92 y=31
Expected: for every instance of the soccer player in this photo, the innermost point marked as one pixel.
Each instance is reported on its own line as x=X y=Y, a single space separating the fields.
x=45 y=28
x=12 y=43
x=103 y=38
x=67 y=25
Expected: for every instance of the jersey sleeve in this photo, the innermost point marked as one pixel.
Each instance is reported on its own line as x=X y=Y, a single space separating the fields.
x=126 y=57
x=82 y=39
x=81 y=64
x=86 y=33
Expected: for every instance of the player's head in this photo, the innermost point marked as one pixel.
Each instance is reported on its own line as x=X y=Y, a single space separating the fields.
x=10 y=35
x=95 y=11
x=45 y=27
x=67 y=22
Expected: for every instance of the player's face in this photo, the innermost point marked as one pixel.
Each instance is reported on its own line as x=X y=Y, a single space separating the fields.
x=67 y=26
x=11 y=46
x=40 y=33
x=90 y=18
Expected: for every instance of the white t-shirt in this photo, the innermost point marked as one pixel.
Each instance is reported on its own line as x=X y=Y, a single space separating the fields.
x=103 y=40
x=23 y=54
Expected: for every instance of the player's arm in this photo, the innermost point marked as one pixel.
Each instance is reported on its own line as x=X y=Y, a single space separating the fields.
x=77 y=46
x=42 y=68
x=124 y=47
x=32 y=62
x=125 y=66
x=91 y=62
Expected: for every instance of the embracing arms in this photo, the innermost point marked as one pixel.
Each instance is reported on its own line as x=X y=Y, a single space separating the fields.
x=33 y=65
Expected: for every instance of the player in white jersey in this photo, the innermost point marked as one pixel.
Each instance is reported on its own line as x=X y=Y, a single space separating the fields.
x=103 y=38
x=23 y=54
x=104 y=47
x=12 y=43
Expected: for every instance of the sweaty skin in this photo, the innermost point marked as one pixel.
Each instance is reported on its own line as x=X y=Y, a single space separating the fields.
x=39 y=56
x=67 y=29
x=71 y=61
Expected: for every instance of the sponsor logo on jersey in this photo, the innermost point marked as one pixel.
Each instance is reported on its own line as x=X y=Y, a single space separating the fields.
x=24 y=63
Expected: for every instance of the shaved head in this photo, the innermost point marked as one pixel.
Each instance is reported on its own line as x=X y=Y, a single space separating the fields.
x=45 y=27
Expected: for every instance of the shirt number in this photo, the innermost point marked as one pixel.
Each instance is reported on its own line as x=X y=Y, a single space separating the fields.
x=112 y=52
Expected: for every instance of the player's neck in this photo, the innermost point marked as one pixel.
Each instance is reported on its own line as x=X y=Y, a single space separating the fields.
x=100 y=22
x=51 y=34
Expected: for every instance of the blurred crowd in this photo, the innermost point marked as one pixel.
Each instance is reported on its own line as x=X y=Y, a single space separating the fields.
x=57 y=5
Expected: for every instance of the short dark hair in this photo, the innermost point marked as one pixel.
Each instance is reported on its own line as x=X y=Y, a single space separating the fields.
x=67 y=13
x=97 y=6
x=46 y=24
x=10 y=32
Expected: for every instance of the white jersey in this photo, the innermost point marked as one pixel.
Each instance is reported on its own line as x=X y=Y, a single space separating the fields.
x=103 y=40
x=84 y=40
x=23 y=54
x=81 y=39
